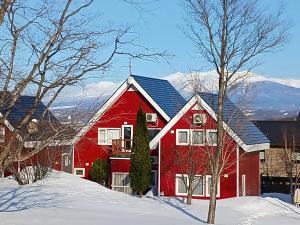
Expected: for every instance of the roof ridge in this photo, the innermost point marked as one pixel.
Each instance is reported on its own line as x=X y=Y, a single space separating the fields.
x=154 y=78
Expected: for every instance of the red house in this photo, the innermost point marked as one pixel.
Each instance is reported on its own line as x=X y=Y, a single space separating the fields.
x=175 y=126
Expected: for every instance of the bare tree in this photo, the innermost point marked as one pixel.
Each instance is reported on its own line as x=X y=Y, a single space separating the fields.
x=289 y=158
x=229 y=34
x=45 y=47
x=4 y=5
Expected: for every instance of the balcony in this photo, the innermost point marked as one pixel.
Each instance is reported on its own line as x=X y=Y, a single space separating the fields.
x=121 y=147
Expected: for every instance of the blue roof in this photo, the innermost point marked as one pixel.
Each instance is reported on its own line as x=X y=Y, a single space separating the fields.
x=22 y=106
x=236 y=120
x=163 y=93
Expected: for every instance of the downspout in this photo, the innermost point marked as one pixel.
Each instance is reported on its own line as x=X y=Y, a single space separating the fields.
x=158 y=183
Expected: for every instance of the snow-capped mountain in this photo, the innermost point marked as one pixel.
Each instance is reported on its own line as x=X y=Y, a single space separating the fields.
x=269 y=97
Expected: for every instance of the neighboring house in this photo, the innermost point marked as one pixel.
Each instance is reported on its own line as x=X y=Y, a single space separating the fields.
x=282 y=135
x=282 y=160
x=108 y=135
x=43 y=129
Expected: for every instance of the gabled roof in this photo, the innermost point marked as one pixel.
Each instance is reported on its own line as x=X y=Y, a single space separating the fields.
x=163 y=93
x=22 y=106
x=244 y=132
x=160 y=93
x=236 y=120
x=281 y=133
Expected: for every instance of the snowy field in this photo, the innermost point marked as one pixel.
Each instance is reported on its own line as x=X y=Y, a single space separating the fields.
x=65 y=199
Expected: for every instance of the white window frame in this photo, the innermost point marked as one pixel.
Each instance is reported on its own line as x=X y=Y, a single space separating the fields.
x=106 y=134
x=76 y=169
x=113 y=179
x=207 y=189
x=206 y=137
x=122 y=133
x=203 y=186
x=243 y=185
x=179 y=176
x=2 y=130
x=188 y=136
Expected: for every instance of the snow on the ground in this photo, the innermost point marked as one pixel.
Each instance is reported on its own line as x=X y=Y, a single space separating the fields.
x=64 y=199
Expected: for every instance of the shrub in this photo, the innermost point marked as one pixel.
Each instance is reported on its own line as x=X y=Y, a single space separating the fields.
x=100 y=172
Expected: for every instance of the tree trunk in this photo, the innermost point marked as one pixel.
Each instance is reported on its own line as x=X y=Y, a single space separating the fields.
x=140 y=194
x=213 y=199
x=189 y=196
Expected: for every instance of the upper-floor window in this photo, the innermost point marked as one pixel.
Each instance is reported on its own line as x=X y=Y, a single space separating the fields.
x=212 y=137
x=196 y=137
x=2 y=134
x=262 y=155
x=106 y=135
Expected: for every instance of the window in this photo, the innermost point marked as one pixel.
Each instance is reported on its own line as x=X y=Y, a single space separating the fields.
x=181 y=184
x=106 y=135
x=2 y=134
x=212 y=137
x=79 y=172
x=207 y=184
x=112 y=134
x=198 y=186
x=262 y=155
x=121 y=183
x=101 y=136
x=198 y=137
x=296 y=156
x=182 y=137
x=152 y=132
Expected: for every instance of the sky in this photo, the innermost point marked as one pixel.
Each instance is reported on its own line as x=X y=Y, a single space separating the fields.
x=159 y=27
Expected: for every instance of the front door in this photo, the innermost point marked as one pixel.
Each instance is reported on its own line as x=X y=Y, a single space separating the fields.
x=127 y=133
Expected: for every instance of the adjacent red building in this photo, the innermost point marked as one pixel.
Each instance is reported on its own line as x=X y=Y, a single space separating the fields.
x=180 y=132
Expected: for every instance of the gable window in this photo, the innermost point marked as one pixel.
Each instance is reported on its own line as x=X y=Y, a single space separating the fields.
x=2 y=134
x=198 y=137
x=212 y=137
x=182 y=137
x=106 y=135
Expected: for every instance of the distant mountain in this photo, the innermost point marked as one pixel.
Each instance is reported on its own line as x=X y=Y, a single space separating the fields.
x=269 y=98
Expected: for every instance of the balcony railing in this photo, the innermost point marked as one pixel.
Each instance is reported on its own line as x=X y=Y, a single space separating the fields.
x=121 y=147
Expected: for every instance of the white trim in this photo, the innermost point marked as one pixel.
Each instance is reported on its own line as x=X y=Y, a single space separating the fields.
x=243 y=185
x=128 y=83
x=152 y=102
x=83 y=169
x=189 y=104
x=207 y=189
x=100 y=112
x=237 y=171
x=188 y=136
x=158 y=180
x=120 y=158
